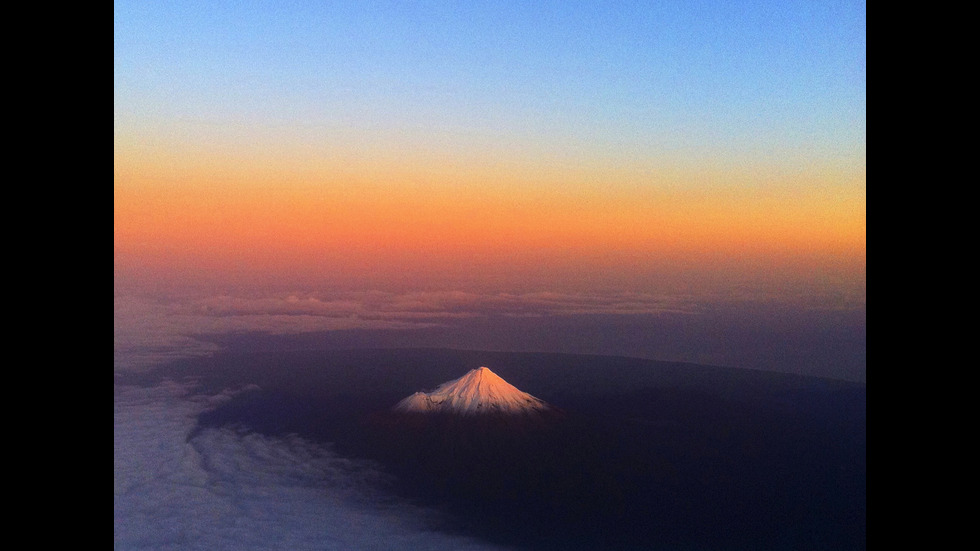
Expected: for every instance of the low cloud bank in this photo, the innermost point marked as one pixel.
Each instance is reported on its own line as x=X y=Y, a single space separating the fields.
x=375 y=309
x=822 y=335
x=237 y=491
x=149 y=331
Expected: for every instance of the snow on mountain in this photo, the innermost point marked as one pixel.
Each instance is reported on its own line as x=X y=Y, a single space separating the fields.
x=480 y=391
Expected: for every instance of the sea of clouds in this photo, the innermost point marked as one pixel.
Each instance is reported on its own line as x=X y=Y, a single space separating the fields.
x=227 y=489
x=821 y=335
x=149 y=330
x=177 y=487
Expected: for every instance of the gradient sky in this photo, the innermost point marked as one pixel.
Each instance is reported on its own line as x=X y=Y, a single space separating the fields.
x=584 y=177
x=491 y=145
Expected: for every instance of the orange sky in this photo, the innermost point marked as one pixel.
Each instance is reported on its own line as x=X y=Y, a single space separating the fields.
x=518 y=146
x=424 y=224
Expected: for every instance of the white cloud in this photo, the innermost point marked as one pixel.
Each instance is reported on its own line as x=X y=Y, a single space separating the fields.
x=241 y=491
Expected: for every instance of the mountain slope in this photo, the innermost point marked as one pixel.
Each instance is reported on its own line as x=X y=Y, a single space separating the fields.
x=479 y=392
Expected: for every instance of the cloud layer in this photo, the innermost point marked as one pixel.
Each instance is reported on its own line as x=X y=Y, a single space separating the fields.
x=815 y=334
x=228 y=490
x=148 y=331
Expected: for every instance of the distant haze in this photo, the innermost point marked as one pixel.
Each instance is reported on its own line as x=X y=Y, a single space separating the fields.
x=820 y=335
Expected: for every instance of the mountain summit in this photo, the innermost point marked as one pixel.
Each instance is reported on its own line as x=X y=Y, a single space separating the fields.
x=479 y=392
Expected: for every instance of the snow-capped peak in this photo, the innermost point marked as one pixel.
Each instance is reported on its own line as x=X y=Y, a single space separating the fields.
x=480 y=391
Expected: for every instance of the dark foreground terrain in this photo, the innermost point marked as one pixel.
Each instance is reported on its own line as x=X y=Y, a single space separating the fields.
x=646 y=455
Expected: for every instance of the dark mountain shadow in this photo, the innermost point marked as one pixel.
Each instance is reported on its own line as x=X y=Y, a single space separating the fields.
x=646 y=455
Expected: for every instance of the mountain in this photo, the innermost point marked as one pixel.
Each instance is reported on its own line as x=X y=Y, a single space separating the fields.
x=479 y=392
x=647 y=454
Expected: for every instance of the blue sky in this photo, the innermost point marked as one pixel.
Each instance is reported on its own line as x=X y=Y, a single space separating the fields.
x=738 y=78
